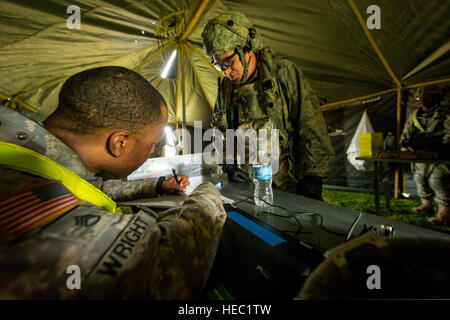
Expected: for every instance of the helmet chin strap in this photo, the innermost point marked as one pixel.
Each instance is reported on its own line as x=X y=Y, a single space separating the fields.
x=244 y=64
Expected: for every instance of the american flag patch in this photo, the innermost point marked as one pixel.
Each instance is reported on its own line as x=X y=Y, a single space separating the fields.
x=28 y=209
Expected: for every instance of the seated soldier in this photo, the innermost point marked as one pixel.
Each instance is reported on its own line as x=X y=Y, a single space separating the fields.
x=53 y=222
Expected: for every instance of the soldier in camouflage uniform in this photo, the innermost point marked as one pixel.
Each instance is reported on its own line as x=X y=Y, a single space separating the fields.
x=263 y=91
x=428 y=129
x=144 y=255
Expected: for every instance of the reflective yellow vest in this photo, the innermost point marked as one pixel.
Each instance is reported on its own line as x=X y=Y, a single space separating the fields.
x=26 y=160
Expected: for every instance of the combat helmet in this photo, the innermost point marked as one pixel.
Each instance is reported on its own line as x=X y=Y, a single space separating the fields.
x=229 y=32
x=434 y=91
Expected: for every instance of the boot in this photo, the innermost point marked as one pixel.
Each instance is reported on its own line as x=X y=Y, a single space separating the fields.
x=425 y=207
x=442 y=216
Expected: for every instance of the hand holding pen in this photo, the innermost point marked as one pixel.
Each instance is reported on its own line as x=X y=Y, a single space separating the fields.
x=175 y=176
x=176 y=184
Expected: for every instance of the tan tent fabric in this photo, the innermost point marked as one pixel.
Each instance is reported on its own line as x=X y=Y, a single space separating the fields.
x=324 y=37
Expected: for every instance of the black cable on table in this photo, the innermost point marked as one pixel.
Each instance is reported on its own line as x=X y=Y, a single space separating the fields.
x=300 y=213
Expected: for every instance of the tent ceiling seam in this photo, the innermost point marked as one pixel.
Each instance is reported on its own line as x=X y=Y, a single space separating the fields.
x=158 y=81
x=204 y=58
x=47 y=84
x=63 y=23
x=198 y=78
x=149 y=58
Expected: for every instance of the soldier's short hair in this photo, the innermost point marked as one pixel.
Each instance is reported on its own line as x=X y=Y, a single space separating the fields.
x=108 y=97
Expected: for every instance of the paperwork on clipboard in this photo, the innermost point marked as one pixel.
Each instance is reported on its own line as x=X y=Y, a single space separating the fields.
x=168 y=201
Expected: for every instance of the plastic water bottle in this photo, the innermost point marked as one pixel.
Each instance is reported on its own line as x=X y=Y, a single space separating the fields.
x=262 y=179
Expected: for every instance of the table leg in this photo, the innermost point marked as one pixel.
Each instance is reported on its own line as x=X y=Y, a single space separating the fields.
x=376 y=187
x=387 y=197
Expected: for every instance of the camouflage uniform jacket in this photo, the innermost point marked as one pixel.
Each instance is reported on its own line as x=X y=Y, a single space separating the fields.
x=428 y=131
x=120 y=256
x=278 y=96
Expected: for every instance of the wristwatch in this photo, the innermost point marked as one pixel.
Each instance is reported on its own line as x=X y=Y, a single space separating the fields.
x=159 y=189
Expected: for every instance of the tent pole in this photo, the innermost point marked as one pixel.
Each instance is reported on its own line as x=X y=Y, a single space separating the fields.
x=422 y=84
x=427 y=83
x=399 y=177
x=373 y=44
x=337 y=103
x=177 y=121
x=183 y=99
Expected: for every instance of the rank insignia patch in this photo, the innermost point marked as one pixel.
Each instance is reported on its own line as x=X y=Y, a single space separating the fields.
x=28 y=209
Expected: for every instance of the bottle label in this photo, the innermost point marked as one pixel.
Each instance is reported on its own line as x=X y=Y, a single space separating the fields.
x=262 y=173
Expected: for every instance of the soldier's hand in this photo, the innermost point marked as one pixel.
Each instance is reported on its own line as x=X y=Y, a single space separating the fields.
x=170 y=186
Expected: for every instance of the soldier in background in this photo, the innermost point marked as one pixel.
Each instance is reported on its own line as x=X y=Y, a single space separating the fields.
x=428 y=129
x=52 y=221
x=263 y=91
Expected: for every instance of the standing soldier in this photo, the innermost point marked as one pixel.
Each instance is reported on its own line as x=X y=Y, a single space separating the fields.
x=263 y=91
x=428 y=129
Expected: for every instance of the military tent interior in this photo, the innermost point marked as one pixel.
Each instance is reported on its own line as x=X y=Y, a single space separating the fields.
x=350 y=67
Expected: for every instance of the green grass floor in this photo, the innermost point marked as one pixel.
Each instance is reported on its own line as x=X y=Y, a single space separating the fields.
x=401 y=209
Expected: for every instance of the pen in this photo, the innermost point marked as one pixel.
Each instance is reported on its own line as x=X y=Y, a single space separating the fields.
x=175 y=176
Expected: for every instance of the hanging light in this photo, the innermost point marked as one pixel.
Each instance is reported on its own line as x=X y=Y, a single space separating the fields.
x=168 y=65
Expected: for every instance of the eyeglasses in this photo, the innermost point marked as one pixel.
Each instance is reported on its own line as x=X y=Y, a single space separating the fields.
x=225 y=63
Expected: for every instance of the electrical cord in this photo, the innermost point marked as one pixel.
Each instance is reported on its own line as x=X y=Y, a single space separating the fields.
x=273 y=205
x=292 y=214
x=274 y=214
x=276 y=206
x=321 y=222
x=245 y=199
x=317 y=245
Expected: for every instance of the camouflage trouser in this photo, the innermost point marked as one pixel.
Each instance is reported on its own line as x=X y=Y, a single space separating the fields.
x=432 y=178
